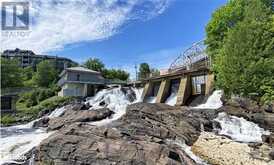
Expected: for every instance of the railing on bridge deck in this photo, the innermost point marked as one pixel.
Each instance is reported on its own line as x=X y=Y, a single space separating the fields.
x=192 y=58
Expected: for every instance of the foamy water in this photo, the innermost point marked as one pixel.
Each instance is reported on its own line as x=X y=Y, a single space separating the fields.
x=213 y=102
x=239 y=129
x=114 y=99
x=151 y=99
x=17 y=140
x=187 y=149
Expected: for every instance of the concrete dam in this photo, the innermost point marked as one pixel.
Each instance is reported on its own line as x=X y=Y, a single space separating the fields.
x=188 y=77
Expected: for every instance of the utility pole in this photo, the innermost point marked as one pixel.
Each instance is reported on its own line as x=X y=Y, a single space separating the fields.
x=136 y=74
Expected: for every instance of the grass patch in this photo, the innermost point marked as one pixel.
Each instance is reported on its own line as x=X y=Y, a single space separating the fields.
x=26 y=114
x=7 y=119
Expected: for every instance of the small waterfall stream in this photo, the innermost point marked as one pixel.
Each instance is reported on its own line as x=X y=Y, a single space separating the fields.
x=17 y=140
x=239 y=129
x=213 y=102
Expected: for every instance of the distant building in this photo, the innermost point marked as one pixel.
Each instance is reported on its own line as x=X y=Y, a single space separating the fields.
x=29 y=58
x=79 y=81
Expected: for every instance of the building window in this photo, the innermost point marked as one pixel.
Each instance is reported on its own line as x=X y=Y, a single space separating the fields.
x=78 y=77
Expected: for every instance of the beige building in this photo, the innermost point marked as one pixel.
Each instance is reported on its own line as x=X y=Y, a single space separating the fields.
x=79 y=81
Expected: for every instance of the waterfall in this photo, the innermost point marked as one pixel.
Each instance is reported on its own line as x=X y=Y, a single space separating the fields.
x=138 y=92
x=239 y=129
x=17 y=140
x=114 y=99
x=171 y=100
x=213 y=102
x=151 y=99
x=187 y=149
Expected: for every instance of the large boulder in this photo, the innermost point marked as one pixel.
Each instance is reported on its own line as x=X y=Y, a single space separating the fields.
x=86 y=144
x=71 y=116
x=144 y=135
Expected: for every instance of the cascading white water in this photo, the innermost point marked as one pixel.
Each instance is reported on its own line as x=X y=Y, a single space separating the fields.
x=171 y=100
x=187 y=150
x=239 y=129
x=213 y=102
x=114 y=99
x=151 y=99
x=138 y=93
x=17 y=140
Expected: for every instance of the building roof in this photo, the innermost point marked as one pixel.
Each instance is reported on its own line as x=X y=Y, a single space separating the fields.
x=82 y=69
x=79 y=69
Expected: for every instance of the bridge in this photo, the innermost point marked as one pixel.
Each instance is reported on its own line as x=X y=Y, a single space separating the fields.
x=188 y=76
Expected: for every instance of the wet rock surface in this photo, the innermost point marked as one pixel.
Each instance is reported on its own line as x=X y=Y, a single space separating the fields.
x=141 y=136
x=263 y=118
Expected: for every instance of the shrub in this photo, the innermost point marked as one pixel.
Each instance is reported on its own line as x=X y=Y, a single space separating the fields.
x=7 y=119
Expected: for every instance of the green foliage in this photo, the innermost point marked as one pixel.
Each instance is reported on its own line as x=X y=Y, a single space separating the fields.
x=7 y=119
x=155 y=72
x=36 y=96
x=222 y=20
x=243 y=53
x=144 y=71
x=94 y=64
x=46 y=74
x=98 y=65
x=116 y=74
x=27 y=73
x=268 y=91
x=31 y=113
x=11 y=73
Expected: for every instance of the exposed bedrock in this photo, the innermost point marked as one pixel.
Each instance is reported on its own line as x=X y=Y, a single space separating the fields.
x=142 y=136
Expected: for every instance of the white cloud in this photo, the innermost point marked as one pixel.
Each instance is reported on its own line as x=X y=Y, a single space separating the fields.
x=57 y=23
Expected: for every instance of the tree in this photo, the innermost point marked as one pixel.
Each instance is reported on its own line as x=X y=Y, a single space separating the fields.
x=11 y=73
x=46 y=74
x=222 y=20
x=27 y=73
x=245 y=56
x=116 y=74
x=94 y=64
x=144 y=71
x=154 y=72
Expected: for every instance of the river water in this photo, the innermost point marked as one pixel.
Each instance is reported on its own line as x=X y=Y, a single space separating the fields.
x=17 y=140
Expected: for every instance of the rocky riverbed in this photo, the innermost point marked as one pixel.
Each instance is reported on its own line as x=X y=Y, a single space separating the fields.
x=143 y=135
x=154 y=134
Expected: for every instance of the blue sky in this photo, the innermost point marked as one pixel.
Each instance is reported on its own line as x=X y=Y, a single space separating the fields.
x=120 y=33
x=157 y=41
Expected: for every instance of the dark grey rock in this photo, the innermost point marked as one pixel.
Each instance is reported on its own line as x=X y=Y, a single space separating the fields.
x=139 y=137
x=43 y=122
x=75 y=115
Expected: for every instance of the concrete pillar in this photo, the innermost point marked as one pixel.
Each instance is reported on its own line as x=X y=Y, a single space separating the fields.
x=184 y=91
x=209 y=84
x=163 y=91
x=147 y=90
